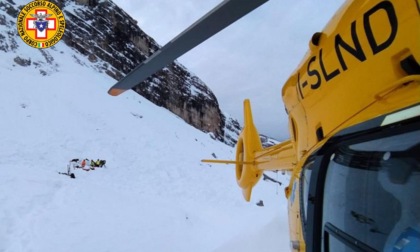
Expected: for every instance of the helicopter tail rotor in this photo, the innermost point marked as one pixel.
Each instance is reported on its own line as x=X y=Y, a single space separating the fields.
x=249 y=143
x=252 y=159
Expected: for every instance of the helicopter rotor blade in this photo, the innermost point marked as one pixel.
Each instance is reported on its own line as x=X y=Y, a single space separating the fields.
x=214 y=21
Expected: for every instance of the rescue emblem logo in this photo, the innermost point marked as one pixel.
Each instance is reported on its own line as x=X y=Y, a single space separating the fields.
x=41 y=24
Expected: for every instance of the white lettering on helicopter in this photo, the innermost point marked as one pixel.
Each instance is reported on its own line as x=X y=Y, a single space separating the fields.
x=355 y=50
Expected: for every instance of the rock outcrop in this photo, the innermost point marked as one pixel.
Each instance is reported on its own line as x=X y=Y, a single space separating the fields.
x=104 y=32
x=114 y=44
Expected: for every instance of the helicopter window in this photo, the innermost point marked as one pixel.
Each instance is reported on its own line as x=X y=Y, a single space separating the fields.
x=341 y=241
x=371 y=196
x=305 y=179
x=304 y=184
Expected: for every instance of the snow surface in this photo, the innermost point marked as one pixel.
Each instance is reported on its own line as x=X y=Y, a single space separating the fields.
x=154 y=195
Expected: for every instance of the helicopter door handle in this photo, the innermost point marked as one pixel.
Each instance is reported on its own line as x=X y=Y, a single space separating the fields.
x=399 y=83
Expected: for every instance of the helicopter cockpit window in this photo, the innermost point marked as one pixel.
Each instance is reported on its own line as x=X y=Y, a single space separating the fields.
x=372 y=196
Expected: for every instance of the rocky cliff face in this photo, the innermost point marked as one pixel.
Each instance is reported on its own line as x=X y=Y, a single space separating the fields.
x=103 y=31
x=114 y=44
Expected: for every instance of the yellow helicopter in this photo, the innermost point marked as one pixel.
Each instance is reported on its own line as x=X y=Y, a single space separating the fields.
x=354 y=118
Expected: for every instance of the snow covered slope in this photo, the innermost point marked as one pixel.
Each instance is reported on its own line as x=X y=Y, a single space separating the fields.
x=154 y=195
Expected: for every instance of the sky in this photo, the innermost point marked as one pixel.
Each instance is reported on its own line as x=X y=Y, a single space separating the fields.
x=252 y=58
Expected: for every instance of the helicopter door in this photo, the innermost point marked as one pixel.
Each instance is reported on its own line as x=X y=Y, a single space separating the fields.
x=371 y=199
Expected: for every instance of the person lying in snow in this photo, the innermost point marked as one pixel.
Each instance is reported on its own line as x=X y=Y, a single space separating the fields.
x=77 y=163
x=86 y=165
